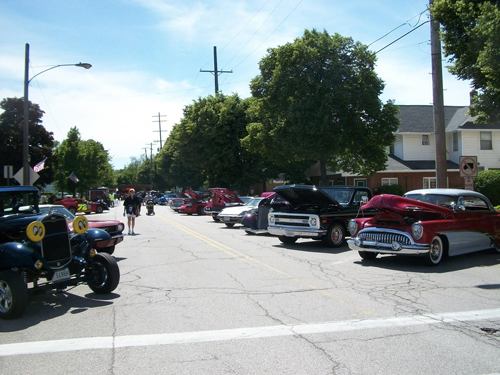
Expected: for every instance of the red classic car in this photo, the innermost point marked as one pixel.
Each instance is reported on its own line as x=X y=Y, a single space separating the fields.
x=221 y=198
x=433 y=223
x=113 y=227
x=75 y=205
x=194 y=205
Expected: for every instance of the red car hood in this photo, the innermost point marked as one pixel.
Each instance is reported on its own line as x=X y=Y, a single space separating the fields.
x=97 y=223
x=194 y=195
x=395 y=203
x=221 y=196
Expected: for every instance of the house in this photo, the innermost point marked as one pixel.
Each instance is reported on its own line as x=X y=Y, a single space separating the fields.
x=411 y=161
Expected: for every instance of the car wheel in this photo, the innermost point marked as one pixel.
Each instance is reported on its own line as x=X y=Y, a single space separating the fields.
x=287 y=240
x=368 y=255
x=229 y=225
x=108 y=250
x=200 y=211
x=72 y=210
x=103 y=274
x=99 y=210
x=189 y=213
x=13 y=295
x=436 y=253
x=215 y=218
x=335 y=236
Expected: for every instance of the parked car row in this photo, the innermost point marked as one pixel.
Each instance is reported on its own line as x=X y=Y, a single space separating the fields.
x=430 y=223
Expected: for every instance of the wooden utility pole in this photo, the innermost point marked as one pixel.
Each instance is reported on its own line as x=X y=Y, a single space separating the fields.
x=216 y=72
x=438 y=104
x=159 y=124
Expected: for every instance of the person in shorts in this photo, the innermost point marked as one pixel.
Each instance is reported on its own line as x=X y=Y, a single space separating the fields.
x=131 y=207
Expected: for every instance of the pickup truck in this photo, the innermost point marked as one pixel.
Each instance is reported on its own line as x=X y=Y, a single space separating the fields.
x=320 y=213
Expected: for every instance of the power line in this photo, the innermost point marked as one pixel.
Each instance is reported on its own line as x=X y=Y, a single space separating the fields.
x=402 y=36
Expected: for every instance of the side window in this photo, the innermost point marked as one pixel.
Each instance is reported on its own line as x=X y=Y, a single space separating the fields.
x=472 y=203
x=360 y=195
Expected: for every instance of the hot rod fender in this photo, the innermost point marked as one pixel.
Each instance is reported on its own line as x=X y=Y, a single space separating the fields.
x=15 y=255
x=89 y=237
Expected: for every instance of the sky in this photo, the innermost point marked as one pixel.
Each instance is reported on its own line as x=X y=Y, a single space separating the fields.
x=146 y=57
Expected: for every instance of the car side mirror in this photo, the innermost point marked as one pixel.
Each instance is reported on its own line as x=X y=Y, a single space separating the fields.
x=364 y=200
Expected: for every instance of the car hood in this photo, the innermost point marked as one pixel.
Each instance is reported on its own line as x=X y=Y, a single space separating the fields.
x=404 y=206
x=236 y=210
x=222 y=195
x=194 y=195
x=305 y=194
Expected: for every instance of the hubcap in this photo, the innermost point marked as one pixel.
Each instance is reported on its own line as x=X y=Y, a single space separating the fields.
x=435 y=251
x=5 y=297
x=336 y=235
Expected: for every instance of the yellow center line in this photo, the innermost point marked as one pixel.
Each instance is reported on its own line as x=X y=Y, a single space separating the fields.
x=238 y=254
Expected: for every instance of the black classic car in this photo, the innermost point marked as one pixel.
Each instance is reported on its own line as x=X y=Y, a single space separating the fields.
x=38 y=252
x=317 y=213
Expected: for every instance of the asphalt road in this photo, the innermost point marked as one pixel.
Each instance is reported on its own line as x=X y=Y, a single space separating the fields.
x=196 y=297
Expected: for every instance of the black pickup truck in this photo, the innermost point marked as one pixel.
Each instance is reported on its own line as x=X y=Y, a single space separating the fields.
x=317 y=213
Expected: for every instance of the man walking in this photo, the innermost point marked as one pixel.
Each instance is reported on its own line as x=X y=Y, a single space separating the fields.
x=131 y=207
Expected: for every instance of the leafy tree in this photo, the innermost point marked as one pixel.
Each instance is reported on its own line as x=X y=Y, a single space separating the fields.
x=89 y=161
x=471 y=37
x=204 y=148
x=40 y=140
x=131 y=174
x=488 y=183
x=318 y=99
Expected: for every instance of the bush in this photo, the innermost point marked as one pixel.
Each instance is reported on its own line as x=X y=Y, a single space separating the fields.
x=391 y=189
x=488 y=183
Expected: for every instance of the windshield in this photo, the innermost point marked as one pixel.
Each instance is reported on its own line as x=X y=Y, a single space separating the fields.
x=13 y=202
x=254 y=202
x=58 y=210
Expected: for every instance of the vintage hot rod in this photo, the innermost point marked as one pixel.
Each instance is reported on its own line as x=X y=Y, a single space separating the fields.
x=38 y=252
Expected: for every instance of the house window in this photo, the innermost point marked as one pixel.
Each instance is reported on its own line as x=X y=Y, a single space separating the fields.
x=389 y=181
x=455 y=141
x=425 y=140
x=360 y=182
x=486 y=143
x=429 y=182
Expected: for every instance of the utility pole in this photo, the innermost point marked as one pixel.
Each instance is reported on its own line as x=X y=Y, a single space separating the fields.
x=145 y=151
x=216 y=72
x=438 y=104
x=159 y=124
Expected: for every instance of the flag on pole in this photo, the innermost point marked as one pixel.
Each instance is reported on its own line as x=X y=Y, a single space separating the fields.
x=37 y=168
x=73 y=177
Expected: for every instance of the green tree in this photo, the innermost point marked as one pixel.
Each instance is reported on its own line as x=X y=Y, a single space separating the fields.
x=318 y=98
x=471 y=38
x=40 y=140
x=204 y=148
x=87 y=159
x=488 y=183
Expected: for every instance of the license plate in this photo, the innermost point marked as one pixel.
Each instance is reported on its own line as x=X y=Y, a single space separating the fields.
x=61 y=275
x=289 y=233
x=226 y=218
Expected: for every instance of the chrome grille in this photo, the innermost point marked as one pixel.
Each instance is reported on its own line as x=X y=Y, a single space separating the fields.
x=55 y=244
x=382 y=237
x=293 y=220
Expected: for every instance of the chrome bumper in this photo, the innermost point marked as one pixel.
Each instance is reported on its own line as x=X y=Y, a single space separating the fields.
x=387 y=248
x=296 y=232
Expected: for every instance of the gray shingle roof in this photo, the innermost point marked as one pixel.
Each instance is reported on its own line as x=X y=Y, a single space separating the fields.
x=420 y=118
x=396 y=164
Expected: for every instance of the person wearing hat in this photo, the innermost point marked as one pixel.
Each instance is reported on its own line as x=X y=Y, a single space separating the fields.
x=131 y=207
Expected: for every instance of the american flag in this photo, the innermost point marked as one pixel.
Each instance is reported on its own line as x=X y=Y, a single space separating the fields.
x=73 y=177
x=37 y=168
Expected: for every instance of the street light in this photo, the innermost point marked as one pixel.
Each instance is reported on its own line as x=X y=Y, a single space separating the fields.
x=27 y=80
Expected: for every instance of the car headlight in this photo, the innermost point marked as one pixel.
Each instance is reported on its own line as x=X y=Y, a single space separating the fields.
x=313 y=222
x=417 y=230
x=352 y=227
x=271 y=219
x=121 y=227
x=243 y=213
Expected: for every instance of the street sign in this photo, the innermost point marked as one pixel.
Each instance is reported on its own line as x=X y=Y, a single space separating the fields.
x=7 y=171
x=20 y=178
x=469 y=183
x=468 y=166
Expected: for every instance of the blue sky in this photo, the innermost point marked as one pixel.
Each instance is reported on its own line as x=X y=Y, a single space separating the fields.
x=147 y=56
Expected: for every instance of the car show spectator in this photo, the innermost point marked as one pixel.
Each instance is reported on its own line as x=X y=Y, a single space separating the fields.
x=131 y=207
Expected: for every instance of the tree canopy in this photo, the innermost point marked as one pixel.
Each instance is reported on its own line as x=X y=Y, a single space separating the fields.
x=318 y=99
x=87 y=159
x=41 y=142
x=471 y=39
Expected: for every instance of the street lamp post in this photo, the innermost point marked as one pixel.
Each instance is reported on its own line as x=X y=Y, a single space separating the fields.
x=27 y=80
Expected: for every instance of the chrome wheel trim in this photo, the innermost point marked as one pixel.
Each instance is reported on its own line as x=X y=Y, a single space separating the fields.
x=337 y=235
x=5 y=297
x=436 y=251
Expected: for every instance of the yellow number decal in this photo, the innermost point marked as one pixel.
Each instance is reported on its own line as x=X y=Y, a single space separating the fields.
x=82 y=207
x=35 y=231
x=80 y=224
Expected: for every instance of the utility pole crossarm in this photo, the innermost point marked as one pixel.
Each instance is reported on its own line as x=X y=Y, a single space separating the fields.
x=159 y=124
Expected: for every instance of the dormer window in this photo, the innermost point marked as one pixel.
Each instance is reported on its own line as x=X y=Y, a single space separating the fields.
x=425 y=140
